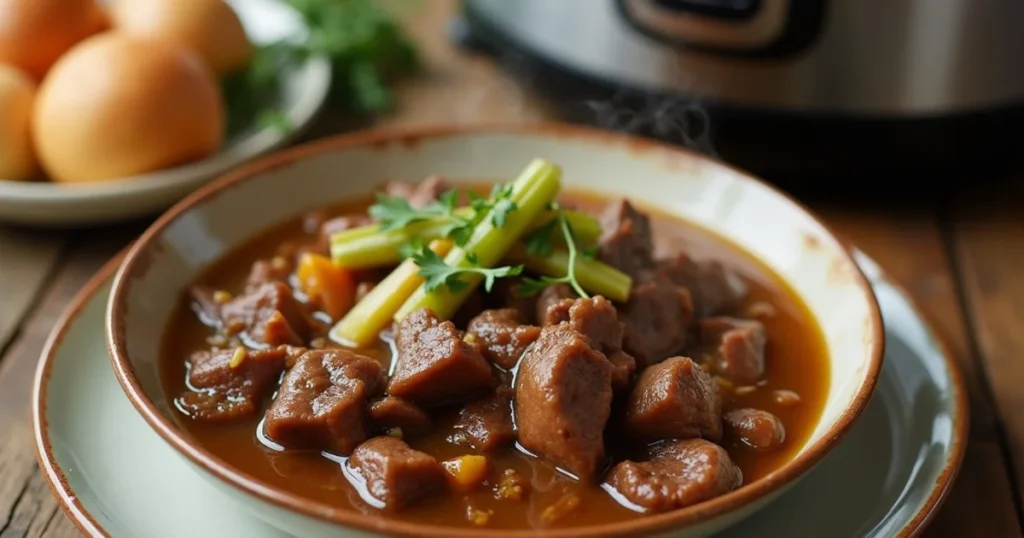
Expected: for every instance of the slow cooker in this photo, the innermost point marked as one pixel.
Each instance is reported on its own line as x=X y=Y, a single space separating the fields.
x=780 y=86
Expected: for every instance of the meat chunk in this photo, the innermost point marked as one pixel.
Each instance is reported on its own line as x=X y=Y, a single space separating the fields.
x=596 y=319
x=204 y=302
x=552 y=296
x=500 y=337
x=332 y=226
x=233 y=382
x=276 y=269
x=418 y=195
x=392 y=412
x=675 y=399
x=435 y=366
x=758 y=429
x=738 y=347
x=678 y=474
x=657 y=318
x=563 y=400
x=506 y=295
x=322 y=401
x=269 y=315
x=395 y=475
x=714 y=288
x=486 y=424
x=626 y=242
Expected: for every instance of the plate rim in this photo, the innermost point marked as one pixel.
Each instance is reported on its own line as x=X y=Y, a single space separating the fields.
x=71 y=505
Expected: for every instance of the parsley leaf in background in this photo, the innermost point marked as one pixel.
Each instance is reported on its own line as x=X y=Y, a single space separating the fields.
x=361 y=38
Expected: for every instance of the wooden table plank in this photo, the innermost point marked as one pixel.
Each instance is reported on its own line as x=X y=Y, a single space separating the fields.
x=910 y=246
x=27 y=259
x=27 y=508
x=988 y=238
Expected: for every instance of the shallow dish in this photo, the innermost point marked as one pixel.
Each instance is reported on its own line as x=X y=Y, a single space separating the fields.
x=897 y=465
x=304 y=90
x=760 y=220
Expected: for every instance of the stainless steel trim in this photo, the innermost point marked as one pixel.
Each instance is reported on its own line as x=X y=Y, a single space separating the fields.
x=873 y=57
x=757 y=32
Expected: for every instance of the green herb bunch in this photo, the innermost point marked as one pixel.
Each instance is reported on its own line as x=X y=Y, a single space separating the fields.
x=364 y=43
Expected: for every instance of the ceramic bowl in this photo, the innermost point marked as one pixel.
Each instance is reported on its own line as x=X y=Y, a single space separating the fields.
x=223 y=215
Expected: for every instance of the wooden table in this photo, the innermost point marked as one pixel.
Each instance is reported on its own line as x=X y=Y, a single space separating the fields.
x=959 y=257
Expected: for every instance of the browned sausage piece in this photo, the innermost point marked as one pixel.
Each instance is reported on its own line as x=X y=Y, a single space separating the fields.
x=675 y=399
x=269 y=314
x=597 y=319
x=626 y=242
x=759 y=429
x=678 y=474
x=276 y=269
x=393 y=412
x=738 y=347
x=233 y=382
x=556 y=295
x=435 y=366
x=395 y=474
x=714 y=288
x=500 y=337
x=321 y=404
x=657 y=318
x=563 y=400
x=486 y=424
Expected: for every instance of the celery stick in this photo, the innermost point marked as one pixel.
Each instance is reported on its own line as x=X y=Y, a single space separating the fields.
x=366 y=246
x=364 y=322
x=594 y=276
x=532 y=191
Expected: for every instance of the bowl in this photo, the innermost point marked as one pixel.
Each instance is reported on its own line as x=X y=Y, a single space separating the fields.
x=766 y=223
x=304 y=90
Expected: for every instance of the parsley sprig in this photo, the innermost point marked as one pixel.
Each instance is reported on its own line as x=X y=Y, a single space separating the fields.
x=437 y=273
x=457 y=224
x=394 y=213
x=538 y=243
x=362 y=39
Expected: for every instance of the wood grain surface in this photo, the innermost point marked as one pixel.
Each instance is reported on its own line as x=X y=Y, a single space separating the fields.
x=961 y=261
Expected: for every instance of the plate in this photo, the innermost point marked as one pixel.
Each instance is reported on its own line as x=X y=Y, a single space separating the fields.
x=114 y=476
x=304 y=91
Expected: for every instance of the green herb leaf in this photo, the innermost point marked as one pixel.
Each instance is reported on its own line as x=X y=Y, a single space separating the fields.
x=529 y=287
x=362 y=40
x=395 y=213
x=501 y=203
x=412 y=247
x=437 y=273
x=540 y=245
x=538 y=242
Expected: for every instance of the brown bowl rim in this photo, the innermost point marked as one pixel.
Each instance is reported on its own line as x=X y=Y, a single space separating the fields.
x=135 y=261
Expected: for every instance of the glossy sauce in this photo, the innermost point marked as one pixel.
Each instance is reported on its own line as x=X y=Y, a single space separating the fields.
x=795 y=360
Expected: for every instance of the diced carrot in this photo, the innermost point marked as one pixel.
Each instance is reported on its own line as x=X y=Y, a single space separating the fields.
x=329 y=286
x=467 y=472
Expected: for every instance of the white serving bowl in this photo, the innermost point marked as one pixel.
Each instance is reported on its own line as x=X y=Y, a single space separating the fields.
x=223 y=215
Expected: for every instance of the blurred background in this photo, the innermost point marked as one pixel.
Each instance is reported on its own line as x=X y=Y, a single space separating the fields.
x=114 y=109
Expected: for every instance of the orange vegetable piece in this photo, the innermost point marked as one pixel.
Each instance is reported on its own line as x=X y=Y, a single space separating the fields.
x=467 y=472
x=327 y=285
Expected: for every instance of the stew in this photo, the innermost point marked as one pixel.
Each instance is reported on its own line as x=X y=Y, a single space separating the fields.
x=695 y=370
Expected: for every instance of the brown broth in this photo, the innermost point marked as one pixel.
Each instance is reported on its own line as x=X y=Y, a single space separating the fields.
x=796 y=360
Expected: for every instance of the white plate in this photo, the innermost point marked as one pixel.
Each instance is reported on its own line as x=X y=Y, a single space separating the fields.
x=115 y=476
x=304 y=90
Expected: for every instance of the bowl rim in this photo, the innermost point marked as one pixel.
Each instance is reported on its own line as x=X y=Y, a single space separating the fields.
x=135 y=261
